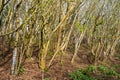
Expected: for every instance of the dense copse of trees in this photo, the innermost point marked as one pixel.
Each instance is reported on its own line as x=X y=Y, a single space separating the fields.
x=57 y=26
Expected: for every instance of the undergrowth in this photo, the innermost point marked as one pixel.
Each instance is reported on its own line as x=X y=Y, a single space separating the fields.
x=87 y=73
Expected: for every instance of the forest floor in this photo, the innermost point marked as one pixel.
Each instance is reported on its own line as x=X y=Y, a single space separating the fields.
x=58 y=71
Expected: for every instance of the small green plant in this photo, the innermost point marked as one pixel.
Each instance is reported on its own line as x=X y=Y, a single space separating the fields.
x=108 y=71
x=103 y=69
x=91 y=68
x=21 y=70
x=80 y=75
x=112 y=72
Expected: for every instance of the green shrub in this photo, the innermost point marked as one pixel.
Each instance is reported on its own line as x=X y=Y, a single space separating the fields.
x=84 y=74
x=80 y=75
x=112 y=72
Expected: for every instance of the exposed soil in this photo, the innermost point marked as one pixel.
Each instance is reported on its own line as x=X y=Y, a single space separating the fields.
x=58 y=71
